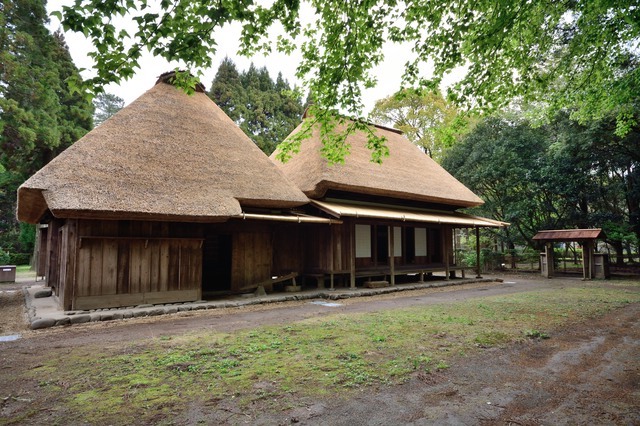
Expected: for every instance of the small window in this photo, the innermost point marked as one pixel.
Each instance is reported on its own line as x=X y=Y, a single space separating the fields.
x=363 y=241
x=421 y=241
x=397 y=241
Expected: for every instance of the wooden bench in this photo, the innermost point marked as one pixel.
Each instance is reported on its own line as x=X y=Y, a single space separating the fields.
x=268 y=284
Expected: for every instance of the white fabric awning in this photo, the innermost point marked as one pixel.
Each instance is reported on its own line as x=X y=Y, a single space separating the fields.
x=338 y=209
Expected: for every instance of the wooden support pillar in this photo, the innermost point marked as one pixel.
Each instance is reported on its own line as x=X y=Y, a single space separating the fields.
x=445 y=252
x=70 y=285
x=352 y=255
x=478 y=266
x=587 y=260
x=549 y=258
x=332 y=261
x=392 y=254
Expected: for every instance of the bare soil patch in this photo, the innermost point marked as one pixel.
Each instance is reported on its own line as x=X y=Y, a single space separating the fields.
x=12 y=312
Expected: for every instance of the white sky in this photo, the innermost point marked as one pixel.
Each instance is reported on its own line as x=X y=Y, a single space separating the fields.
x=388 y=73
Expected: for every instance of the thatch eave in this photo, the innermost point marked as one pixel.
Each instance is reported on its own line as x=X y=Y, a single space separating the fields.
x=129 y=215
x=321 y=189
x=31 y=205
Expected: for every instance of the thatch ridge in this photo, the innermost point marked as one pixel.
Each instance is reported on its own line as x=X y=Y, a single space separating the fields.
x=166 y=156
x=407 y=174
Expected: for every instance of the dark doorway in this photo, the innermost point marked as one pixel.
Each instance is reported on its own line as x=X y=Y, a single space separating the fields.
x=410 y=245
x=382 y=245
x=216 y=264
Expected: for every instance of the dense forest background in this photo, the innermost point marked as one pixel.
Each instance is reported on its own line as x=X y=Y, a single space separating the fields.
x=536 y=174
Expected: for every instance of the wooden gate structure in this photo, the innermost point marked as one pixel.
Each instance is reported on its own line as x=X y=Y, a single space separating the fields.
x=594 y=265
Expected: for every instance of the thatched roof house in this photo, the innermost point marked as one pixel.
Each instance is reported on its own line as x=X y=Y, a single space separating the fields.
x=169 y=201
x=166 y=156
x=407 y=174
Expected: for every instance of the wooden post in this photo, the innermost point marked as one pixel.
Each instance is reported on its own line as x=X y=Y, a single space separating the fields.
x=587 y=258
x=445 y=252
x=549 y=256
x=478 y=266
x=352 y=255
x=392 y=254
x=332 y=255
x=70 y=290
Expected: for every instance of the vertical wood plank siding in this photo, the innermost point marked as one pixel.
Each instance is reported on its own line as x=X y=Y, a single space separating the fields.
x=136 y=262
x=252 y=254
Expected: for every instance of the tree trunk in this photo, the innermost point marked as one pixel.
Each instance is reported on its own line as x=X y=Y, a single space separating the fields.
x=617 y=246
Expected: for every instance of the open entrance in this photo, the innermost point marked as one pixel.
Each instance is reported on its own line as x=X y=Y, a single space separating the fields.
x=216 y=265
x=382 y=245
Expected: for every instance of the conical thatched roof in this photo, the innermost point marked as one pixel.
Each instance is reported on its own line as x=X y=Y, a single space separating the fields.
x=166 y=156
x=407 y=174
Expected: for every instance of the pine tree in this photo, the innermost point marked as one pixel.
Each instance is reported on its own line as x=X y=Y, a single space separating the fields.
x=106 y=105
x=227 y=91
x=39 y=117
x=266 y=110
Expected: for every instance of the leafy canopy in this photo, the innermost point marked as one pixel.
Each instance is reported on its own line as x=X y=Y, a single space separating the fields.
x=578 y=53
x=560 y=175
x=426 y=118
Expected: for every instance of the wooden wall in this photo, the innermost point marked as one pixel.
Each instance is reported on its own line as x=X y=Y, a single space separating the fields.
x=251 y=259
x=289 y=248
x=122 y=263
x=327 y=248
x=97 y=264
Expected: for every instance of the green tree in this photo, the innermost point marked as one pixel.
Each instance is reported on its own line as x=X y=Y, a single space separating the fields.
x=580 y=54
x=227 y=90
x=500 y=160
x=106 y=105
x=426 y=118
x=562 y=175
x=266 y=110
x=39 y=116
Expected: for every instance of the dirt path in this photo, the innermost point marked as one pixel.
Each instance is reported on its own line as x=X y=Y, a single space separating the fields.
x=586 y=374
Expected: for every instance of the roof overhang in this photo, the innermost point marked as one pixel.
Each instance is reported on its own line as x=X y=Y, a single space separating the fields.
x=456 y=219
x=567 y=235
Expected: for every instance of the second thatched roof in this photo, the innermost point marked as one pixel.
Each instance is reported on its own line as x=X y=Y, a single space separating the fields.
x=406 y=174
x=166 y=156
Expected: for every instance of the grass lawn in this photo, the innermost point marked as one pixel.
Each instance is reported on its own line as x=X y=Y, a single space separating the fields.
x=333 y=355
x=24 y=270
